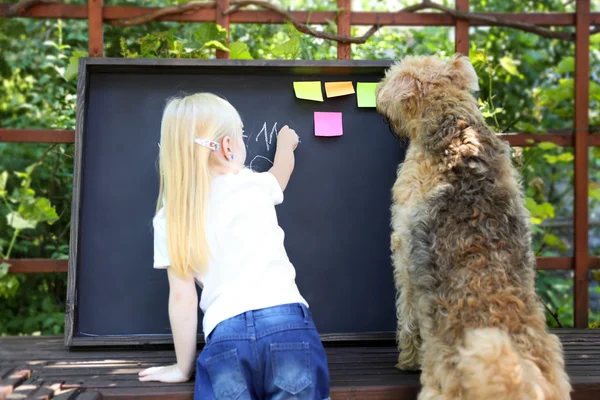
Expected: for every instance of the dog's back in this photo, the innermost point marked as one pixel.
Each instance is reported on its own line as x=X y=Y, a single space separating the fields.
x=464 y=266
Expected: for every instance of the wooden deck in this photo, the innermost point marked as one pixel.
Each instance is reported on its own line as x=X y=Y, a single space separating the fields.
x=42 y=368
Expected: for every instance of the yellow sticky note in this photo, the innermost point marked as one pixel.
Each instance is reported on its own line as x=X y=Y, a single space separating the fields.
x=308 y=90
x=365 y=92
x=334 y=89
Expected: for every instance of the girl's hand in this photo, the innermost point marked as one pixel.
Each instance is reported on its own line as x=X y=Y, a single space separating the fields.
x=168 y=374
x=287 y=138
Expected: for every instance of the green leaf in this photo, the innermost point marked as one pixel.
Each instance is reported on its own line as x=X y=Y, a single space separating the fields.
x=289 y=49
x=566 y=157
x=554 y=241
x=547 y=145
x=509 y=65
x=4 y=269
x=73 y=67
x=3 y=180
x=38 y=209
x=123 y=46
x=535 y=221
x=566 y=65
x=208 y=32
x=539 y=212
x=215 y=44
x=239 y=51
x=530 y=203
x=149 y=44
x=546 y=210
x=15 y=220
x=594 y=190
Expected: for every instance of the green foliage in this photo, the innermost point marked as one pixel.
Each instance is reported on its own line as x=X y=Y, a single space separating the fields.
x=526 y=86
x=168 y=44
x=239 y=51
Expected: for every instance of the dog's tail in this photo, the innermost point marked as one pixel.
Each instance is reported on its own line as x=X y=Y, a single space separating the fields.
x=491 y=369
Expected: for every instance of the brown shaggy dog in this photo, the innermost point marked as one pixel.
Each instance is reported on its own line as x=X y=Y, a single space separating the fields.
x=468 y=314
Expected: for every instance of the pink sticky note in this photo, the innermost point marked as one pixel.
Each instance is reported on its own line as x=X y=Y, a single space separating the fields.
x=328 y=124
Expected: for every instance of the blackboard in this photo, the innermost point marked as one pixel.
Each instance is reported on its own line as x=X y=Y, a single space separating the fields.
x=335 y=215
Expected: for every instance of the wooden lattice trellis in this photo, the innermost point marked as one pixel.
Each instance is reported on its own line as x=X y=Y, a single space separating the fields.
x=226 y=12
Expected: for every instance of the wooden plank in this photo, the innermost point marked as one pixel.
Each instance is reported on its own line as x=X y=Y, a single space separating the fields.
x=581 y=223
x=562 y=263
x=95 y=29
x=61 y=10
x=222 y=20
x=564 y=139
x=68 y=394
x=47 y=391
x=90 y=395
x=438 y=19
x=34 y=266
x=26 y=389
x=111 y=13
x=358 y=372
x=344 y=50
x=8 y=384
x=5 y=370
x=461 y=30
x=37 y=135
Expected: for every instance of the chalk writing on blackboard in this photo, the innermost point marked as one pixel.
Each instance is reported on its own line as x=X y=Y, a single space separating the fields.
x=268 y=137
x=258 y=158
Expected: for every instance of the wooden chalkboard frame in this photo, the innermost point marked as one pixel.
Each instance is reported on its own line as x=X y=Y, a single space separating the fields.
x=89 y=65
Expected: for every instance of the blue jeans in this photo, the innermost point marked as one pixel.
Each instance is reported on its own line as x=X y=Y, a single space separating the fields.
x=274 y=354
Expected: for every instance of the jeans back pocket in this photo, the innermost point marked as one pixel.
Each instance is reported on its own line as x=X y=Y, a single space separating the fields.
x=226 y=376
x=291 y=366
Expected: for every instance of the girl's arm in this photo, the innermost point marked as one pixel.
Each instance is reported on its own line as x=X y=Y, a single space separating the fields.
x=283 y=165
x=183 y=315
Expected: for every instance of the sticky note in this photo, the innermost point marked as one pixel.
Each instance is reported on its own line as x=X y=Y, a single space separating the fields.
x=308 y=90
x=334 y=89
x=365 y=92
x=328 y=124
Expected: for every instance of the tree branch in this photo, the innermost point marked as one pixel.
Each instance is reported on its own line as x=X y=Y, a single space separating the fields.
x=236 y=5
x=181 y=9
x=523 y=26
x=19 y=8
x=300 y=26
x=554 y=314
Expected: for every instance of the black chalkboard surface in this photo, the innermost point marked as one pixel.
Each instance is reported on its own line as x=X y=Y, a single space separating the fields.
x=335 y=214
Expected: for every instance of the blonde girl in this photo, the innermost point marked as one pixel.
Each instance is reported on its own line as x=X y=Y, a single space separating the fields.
x=216 y=226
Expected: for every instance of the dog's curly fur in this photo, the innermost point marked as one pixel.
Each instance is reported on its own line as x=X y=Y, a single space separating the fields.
x=468 y=314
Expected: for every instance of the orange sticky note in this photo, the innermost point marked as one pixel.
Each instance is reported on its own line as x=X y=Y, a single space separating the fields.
x=335 y=89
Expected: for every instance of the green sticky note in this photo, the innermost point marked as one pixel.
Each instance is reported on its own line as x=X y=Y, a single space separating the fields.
x=365 y=93
x=308 y=90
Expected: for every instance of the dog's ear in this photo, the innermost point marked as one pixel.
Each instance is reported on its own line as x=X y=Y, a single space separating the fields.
x=462 y=73
x=399 y=91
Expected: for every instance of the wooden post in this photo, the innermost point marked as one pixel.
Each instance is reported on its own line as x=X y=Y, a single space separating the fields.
x=582 y=77
x=223 y=20
x=461 y=30
x=95 y=29
x=344 y=51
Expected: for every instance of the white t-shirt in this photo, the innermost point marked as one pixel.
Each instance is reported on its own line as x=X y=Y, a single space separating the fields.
x=249 y=268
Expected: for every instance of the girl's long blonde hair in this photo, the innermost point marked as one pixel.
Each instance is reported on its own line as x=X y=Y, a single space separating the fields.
x=185 y=176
